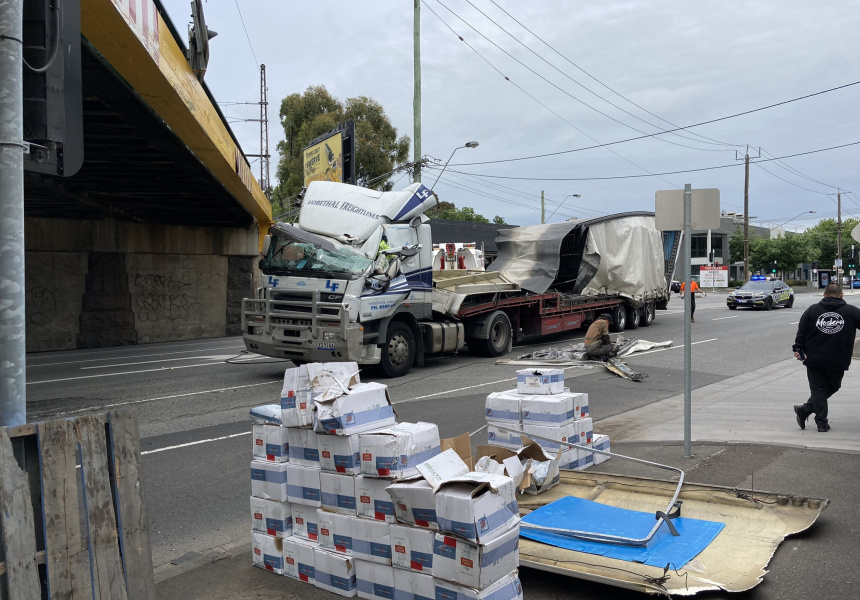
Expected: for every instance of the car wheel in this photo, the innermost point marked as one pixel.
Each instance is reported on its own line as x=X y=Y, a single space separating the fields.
x=732 y=307
x=647 y=315
x=499 y=337
x=790 y=302
x=619 y=319
x=398 y=353
x=768 y=304
x=634 y=317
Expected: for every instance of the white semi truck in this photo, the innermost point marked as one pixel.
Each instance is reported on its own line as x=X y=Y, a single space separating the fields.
x=354 y=279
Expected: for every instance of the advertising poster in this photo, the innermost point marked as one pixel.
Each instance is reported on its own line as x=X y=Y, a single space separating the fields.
x=323 y=161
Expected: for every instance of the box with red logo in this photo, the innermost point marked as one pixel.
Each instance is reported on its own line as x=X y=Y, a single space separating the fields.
x=270 y=517
x=585 y=430
x=270 y=442
x=296 y=403
x=543 y=434
x=338 y=493
x=476 y=565
x=414 y=503
x=477 y=506
x=371 y=541
x=339 y=454
x=364 y=407
x=267 y=552
x=409 y=585
x=335 y=531
x=395 y=452
x=303 y=447
x=334 y=573
x=506 y=588
x=374 y=581
x=305 y=522
x=299 y=559
x=372 y=500
x=412 y=548
x=540 y=381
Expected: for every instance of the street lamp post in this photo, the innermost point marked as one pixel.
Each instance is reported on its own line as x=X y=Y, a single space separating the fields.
x=561 y=203
x=466 y=145
x=806 y=212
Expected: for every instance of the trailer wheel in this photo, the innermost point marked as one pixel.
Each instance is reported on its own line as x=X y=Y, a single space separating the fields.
x=634 y=317
x=499 y=337
x=619 y=319
x=398 y=353
x=647 y=315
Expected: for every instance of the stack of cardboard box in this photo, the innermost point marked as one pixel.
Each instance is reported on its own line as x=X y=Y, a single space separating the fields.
x=543 y=408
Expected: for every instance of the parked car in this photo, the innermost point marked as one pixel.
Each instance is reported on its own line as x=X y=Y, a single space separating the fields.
x=675 y=286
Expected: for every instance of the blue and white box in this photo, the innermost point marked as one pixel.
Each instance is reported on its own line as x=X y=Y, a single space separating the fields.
x=506 y=588
x=505 y=439
x=554 y=410
x=601 y=442
x=303 y=447
x=269 y=480
x=270 y=442
x=477 y=506
x=270 y=517
x=409 y=585
x=371 y=541
x=299 y=559
x=338 y=493
x=267 y=552
x=305 y=523
x=576 y=459
x=414 y=503
x=296 y=404
x=476 y=565
x=372 y=499
x=395 y=452
x=303 y=485
x=560 y=433
x=335 y=532
x=339 y=454
x=412 y=548
x=540 y=381
x=585 y=430
x=364 y=408
x=504 y=408
x=334 y=573
x=374 y=581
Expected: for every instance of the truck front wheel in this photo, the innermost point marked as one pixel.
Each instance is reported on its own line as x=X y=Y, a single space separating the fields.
x=398 y=353
x=498 y=340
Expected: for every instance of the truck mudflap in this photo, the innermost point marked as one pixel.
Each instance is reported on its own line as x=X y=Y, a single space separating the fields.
x=735 y=561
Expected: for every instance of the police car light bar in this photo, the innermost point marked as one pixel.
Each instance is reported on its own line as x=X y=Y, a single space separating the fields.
x=758 y=278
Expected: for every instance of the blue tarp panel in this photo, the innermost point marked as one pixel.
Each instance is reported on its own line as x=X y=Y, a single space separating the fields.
x=586 y=515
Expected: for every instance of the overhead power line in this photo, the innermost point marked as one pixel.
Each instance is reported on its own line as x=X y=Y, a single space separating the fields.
x=250 y=45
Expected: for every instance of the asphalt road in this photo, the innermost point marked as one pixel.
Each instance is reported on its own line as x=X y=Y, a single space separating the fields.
x=193 y=398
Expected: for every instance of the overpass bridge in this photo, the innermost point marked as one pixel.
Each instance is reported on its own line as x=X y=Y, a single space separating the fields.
x=156 y=236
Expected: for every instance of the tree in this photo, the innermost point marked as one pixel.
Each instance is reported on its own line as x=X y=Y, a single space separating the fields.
x=499 y=220
x=736 y=245
x=463 y=214
x=822 y=239
x=305 y=116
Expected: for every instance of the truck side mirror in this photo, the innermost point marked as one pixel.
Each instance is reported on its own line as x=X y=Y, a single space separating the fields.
x=415 y=222
x=392 y=270
x=267 y=241
x=408 y=251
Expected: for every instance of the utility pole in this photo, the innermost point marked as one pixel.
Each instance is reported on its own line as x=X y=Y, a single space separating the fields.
x=747 y=212
x=264 y=134
x=416 y=98
x=13 y=379
x=542 y=208
x=839 y=233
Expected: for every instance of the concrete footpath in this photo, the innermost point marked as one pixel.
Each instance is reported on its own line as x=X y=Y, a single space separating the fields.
x=745 y=436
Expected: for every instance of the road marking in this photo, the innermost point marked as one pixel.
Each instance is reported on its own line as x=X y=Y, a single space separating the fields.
x=73 y=362
x=721 y=318
x=795 y=323
x=209 y=364
x=223 y=437
x=218 y=357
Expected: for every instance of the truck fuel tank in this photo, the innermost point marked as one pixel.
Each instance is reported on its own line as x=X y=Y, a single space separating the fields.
x=443 y=337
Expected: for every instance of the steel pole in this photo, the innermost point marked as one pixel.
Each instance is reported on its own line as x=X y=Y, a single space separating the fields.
x=416 y=97
x=13 y=398
x=688 y=332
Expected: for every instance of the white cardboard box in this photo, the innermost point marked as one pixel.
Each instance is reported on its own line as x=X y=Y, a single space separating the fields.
x=303 y=485
x=540 y=381
x=477 y=506
x=339 y=453
x=372 y=500
x=585 y=429
x=374 y=581
x=505 y=439
x=330 y=380
x=266 y=414
x=583 y=405
x=296 y=403
x=394 y=452
x=366 y=407
x=269 y=480
x=299 y=559
x=267 y=552
x=335 y=532
x=305 y=522
x=270 y=443
x=414 y=503
x=270 y=517
x=476 y=565
x=565 y=433
x=334 y=573
x=409 y=585
x=504 y=407
x=337 y=493
x=552 y=411
x=412 y=548
x=303 y=447
x=506 y=588
x=371 y=541
x=601 y=442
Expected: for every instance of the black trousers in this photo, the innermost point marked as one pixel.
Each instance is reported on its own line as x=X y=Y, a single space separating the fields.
x=823 y=383
x=692 y=304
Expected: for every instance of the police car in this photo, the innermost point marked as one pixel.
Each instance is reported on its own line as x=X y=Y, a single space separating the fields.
x=761 y=292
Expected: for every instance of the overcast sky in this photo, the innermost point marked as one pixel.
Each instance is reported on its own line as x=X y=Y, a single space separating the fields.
x=683 y=61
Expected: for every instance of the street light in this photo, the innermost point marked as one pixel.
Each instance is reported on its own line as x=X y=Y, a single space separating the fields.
x=467 y=145
x=806 y=212
x=562 y=202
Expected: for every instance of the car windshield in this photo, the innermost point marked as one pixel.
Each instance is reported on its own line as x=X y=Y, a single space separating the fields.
x=757 y=286
x=300 y=255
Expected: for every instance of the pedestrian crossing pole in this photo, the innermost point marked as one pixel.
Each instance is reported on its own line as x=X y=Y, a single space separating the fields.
x=688 y=330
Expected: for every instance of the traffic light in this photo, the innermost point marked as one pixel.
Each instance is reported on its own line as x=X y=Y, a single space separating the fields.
x=773 y=267
x=711 y=256
x=852 y=260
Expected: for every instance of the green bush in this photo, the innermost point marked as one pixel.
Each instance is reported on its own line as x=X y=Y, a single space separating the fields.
x=734 y=284
x=800 y=283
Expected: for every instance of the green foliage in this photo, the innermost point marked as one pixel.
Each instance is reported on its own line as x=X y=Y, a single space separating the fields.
x=499 y=220
x=736 y=245
x=823 y=240
x=463 y=214
x=306 y=116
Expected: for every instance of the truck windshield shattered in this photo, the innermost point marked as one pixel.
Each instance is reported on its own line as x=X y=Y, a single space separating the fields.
x=302 y=255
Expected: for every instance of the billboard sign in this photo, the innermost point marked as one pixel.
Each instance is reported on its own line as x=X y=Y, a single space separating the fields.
x=329 y=157
x=713 y=276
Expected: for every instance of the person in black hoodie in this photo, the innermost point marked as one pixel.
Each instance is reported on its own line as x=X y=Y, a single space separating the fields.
x=825 y=343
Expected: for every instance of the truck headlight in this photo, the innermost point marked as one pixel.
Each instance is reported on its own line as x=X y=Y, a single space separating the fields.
x=331 y=335
x=256 y=330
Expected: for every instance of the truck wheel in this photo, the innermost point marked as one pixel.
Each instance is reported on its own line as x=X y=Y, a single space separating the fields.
x=499 y=337
x=634 y=316
x=647 y=315
x=398 y=353
x=619 y=319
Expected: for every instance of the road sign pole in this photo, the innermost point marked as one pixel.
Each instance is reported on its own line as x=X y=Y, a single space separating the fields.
x=688 y=332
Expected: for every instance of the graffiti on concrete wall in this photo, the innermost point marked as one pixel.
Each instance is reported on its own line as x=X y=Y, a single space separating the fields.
x=41 y=306
x=163 y=298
